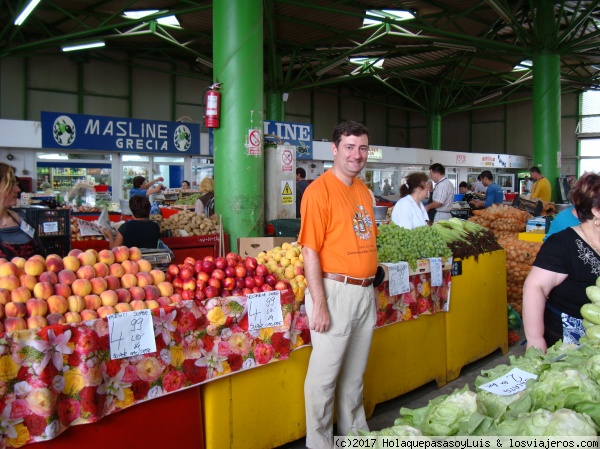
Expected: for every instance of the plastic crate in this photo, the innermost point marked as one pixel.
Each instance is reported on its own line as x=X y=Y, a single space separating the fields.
x=52 y=228
x=60 y=245
x=286 y=227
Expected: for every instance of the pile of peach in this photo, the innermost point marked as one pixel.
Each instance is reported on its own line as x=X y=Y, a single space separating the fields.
x=84 y=285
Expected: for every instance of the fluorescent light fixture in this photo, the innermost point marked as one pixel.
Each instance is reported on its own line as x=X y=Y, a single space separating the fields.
x=526 y=64
x=487 y=97
x=26 y=12
x=454 y=46
x=377 y=14
x=168 y=20
x=371 y=62
x=83 y=46
x=332 y=66
x=205 y=62
x=60 y=156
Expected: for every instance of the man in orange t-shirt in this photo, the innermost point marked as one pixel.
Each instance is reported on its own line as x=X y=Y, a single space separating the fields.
x=338 y=234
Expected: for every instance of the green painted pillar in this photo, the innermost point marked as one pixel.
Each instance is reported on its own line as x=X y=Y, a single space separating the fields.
x=434 y=130
x=434 y=126
x=275 y=106
x=238 y=65
x=546 y=97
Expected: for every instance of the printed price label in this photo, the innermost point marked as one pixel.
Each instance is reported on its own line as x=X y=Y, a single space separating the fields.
x=436 y=271
x=511 y=383
x=264 y=310
x=50 y=226
x=398 y=278
x=27 y=229
x=130 y=334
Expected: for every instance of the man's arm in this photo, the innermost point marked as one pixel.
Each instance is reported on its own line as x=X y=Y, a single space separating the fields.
x=433 y=205
x=319 y=321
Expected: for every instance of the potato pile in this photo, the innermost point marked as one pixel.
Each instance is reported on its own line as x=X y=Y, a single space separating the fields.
x=190 y=222
x=76 y=235
x=506 y=222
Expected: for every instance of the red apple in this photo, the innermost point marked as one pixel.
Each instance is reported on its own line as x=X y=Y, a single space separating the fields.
x=271 y=279
x=176 y=297
x=259 y=280
x=229 y=272
x=198 y=266
x=202 y=276
x=189 y=261
x=220 y=263
x=237 y=292
x=256 y=289
x=173 y=270
x=189 y=284
x=234 y=256
x=249 y=281
x=261 y=270
x=250 y=262
x=266 y=288
x=231 y=262
x=200 y=284
x=214 y=282
x=208 y=266
x=186 y=272
x=211 y=292
x=187 y=295
x=250 y=272
x=281 y=285
x=247 y=291
x=177 y=283
x=224 y=293
x=199 y=295
x=209 y=259
x=218 y=274
x=228 y=283
x=240 y=271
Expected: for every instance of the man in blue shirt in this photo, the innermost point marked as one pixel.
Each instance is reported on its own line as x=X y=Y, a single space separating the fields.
x=493 y=193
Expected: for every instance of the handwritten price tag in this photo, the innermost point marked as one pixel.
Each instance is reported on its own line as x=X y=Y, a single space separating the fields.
x=264 y=310
x=436 y=271
x=130 y=334
x=511 y=383
x=398 y=277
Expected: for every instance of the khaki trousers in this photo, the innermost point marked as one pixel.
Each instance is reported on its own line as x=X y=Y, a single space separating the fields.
x=337 y=363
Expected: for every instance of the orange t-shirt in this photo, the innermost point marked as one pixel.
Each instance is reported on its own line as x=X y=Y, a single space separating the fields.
x=338 y=223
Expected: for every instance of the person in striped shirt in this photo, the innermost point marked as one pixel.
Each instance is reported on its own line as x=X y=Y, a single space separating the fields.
x=442 y=197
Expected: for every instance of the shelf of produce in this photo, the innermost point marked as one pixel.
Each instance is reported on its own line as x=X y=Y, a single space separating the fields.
x=121 y=430
x=269 y=400
x=405 y=356
x=476 y=324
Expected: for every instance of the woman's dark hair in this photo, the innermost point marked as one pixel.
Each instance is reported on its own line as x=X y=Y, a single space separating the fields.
x=348 y=128
x=586 y=196
x=138 y=181
x=187 y=182
x=140 y=206
x=411 y=182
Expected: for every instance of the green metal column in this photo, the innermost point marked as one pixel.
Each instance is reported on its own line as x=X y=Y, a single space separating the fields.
x=434 y=127
x=238 y=65
x=546 y=97
x=275 y=106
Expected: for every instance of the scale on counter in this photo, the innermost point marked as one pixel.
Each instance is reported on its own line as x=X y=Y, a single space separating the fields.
x=160 y=259
x=461 y=205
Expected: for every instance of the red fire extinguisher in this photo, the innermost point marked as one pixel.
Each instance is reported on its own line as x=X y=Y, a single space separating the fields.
x=212 y=100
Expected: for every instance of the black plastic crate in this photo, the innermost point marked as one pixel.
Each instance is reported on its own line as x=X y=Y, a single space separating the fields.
x=286 y=227
x=60 y=245
x=52 y=228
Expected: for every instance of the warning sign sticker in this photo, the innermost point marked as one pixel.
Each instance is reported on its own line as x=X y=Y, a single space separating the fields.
x=287 y=192
x=287 y=160
x=254 y=142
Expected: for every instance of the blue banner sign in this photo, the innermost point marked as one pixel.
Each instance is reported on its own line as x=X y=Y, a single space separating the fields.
x=298 y=134
x=122 y=135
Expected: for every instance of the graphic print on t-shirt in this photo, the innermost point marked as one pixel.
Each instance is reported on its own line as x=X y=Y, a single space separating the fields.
x=362 y=223
x=588 y=257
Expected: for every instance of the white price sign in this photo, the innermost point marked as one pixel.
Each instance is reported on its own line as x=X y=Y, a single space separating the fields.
x=398 y=274
x=130 y=334
x=436 y=271
x=50 y=226
x=264 y=310
x=511 y=383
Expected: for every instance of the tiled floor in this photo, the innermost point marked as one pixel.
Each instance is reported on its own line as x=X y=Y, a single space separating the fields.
x=385 y=413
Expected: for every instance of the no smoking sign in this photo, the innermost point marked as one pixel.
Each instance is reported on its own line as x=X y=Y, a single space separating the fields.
x=254 y=142
x=287 y=160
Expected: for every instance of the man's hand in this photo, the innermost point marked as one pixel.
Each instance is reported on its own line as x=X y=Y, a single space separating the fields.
x=320 y=319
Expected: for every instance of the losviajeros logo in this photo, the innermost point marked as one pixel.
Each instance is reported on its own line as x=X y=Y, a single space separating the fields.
x=182 y=138
x=64 y=130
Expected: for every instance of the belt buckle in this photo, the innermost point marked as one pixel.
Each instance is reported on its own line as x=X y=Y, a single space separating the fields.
x=345 y=280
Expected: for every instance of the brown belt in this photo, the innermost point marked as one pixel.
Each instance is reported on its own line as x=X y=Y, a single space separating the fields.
x=349 y=280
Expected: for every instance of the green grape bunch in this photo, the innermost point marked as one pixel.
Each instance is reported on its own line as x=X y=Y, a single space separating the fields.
x=396 y=244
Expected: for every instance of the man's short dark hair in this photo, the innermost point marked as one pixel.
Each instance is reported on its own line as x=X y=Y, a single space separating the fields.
x=535 y=170
x=138 y=181
x=301 y=172
x=487 y=175
x=438 y=168
x=140 y=206
x=348 y=128
x=463 y=184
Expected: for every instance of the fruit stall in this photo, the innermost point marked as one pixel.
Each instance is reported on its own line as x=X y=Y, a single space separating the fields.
x=56 y=353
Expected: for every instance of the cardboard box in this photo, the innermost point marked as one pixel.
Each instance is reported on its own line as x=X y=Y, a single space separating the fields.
x=535 y=223
x=251 y=246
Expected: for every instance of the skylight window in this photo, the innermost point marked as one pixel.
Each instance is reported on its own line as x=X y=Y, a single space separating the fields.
x=523 y=65
x=377 y=14
x=167 y=21
x=368 y=62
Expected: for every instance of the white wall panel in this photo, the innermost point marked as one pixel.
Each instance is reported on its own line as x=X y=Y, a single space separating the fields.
x=56 y=73
x=50 y=101
x=103 y=78
x=152 y=95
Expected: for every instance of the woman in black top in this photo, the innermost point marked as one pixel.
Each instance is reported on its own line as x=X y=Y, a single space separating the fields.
x=567 y=263
x=16 y=236
x=139 y=232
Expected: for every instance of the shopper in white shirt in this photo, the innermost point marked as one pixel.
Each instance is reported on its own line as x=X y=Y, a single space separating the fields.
x=409 y=211
x=442 y=196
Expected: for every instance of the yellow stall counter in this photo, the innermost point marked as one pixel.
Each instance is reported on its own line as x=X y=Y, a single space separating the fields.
x=476 y=324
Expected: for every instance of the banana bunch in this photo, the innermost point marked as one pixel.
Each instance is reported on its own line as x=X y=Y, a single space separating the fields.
x=591 y=314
